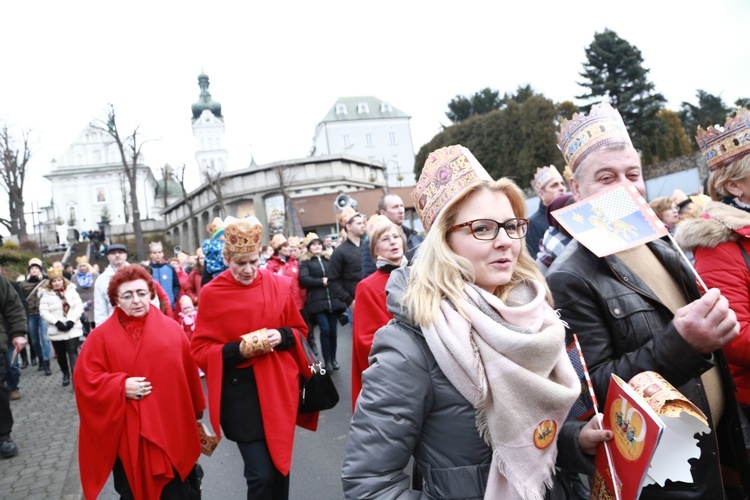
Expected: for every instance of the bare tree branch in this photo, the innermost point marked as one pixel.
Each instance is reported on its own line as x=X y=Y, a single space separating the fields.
x=13 y=169
x=179 y=176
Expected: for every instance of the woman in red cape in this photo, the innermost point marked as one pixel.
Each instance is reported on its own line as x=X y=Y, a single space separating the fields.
x=253 y=386
x=138 y=395
x=387 y=245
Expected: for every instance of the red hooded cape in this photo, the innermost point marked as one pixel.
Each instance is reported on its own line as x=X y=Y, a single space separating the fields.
x=152 y=435
x=370 y=314
x=230 y=309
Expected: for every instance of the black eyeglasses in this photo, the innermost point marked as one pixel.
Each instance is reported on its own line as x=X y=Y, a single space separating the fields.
x=487 y=229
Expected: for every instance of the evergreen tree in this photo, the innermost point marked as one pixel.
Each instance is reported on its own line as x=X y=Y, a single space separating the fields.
x=510 y=142
x=710 y=110
x=614 y=72
x=462 y=107
x=670 y=140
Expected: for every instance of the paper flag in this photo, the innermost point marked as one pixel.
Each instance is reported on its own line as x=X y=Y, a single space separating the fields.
x=612 y=220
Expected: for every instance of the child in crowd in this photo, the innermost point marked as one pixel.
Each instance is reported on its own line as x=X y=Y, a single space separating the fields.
x=187 y=315
x=212 y=248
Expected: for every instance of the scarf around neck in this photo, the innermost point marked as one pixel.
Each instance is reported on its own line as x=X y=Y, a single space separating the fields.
x=509 y=361
x=85 y=280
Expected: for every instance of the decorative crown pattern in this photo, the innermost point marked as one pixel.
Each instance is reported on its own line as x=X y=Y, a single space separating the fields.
x=82 y=260
x=293 y=241
x=277 y=240
x=582 y=134
x=347 y=214
x=54 y=272
x=447 y=173
x=724 y=145
x=543 y=176
x=242 y=235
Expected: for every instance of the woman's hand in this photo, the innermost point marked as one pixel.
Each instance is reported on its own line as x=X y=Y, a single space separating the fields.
x=139 y=388
x=591 y=435
x=274 y=337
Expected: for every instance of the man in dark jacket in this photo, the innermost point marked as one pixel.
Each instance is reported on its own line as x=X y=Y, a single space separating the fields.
x=640 y=310
x=346 y=261
x=13 y=326
x=392 y=206
x=548 y=184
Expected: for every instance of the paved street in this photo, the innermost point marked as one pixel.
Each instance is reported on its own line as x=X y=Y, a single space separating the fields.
x=46 y=431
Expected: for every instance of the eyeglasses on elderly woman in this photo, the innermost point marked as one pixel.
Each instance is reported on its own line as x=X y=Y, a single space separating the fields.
x=487 y=229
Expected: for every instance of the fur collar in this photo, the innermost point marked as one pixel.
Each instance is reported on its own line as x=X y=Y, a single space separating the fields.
x=725 y=223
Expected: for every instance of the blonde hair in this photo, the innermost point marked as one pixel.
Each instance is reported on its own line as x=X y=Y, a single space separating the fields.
x=439 y=273
x=661 y=204
x=734 y=172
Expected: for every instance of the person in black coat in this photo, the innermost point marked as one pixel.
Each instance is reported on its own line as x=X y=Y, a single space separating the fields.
x=321 y=306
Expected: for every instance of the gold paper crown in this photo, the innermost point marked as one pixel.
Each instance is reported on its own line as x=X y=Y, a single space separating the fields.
x=214 y=225
x=242 y=235
x=376 y=222
x=543 y=176
x=293 y=241
x=581 y=135
x=724 y=145
x=277 y=240
x=309 y=238
x=82 y=260
x=347 y=214
x=447 y=173
x=54 y=272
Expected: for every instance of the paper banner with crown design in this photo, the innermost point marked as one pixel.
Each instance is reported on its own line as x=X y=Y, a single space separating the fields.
x=583 y=134
x=724 y=145
x=242 y=235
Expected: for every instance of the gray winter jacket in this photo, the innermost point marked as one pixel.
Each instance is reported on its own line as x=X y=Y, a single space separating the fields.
x=407 y=408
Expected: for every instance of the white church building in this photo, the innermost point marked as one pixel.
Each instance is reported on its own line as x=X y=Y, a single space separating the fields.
x=90 y=189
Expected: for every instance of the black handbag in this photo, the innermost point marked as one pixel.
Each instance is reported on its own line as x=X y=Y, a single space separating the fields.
x=317 y=392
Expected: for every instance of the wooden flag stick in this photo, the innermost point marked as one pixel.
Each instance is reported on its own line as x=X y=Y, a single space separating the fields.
x=687 y=261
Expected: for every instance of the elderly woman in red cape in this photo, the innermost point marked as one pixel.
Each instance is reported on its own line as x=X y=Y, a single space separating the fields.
x=247 y=341
x=139 y=395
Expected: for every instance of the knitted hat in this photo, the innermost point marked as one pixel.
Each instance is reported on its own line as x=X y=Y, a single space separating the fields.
x=447 y=173
x=117 y=246
x=347 y=214
x=680 y=198
x=277 y=240
x=36 y=262
x=543 y=176
x=242 y=235
x=309 y=238
x=54 y=272
x=582 y=134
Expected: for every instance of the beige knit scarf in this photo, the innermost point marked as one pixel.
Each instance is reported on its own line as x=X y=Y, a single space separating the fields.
x=509 y=361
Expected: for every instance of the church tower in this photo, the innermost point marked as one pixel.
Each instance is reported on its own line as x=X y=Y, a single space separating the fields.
x=208 y=129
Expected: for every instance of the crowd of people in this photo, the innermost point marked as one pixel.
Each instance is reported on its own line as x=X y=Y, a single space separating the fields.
x=461 y=382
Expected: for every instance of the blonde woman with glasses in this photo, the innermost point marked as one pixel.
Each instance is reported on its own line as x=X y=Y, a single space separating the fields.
x=471 y=378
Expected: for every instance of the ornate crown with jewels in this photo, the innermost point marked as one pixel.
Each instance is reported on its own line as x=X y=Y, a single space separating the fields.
x=583 y=134
x=242 y=235
x=724 y=145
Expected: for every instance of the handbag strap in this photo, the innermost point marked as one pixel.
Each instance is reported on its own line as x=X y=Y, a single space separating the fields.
x=308 y=352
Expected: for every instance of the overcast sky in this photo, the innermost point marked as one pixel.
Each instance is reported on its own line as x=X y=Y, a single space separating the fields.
x=277 y=68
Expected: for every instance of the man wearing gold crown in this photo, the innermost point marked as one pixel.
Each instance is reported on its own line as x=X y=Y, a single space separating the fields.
x=640 y=309
x=548 y=184
x=247 y=341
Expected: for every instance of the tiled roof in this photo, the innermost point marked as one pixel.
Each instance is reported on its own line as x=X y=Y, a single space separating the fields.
x=374 y=105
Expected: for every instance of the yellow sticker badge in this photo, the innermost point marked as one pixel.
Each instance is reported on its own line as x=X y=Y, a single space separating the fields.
x=545 y=433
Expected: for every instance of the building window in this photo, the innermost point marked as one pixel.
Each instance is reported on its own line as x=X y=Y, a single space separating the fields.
x=347 y=141
x=340 y=109
x=392 y=137
x=385 y=107
x=363 y=108
x=368 y=138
